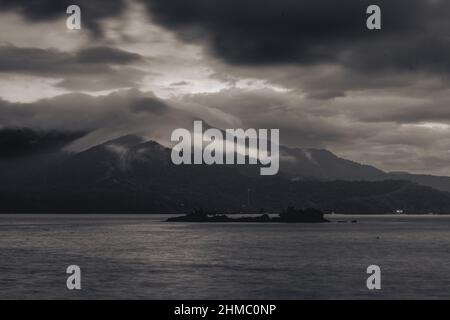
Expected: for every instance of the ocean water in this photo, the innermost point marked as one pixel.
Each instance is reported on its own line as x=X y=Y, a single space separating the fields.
x=141 y=257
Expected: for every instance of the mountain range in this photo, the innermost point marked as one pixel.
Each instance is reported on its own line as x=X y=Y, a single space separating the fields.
x=131 y=175
x=323 y=165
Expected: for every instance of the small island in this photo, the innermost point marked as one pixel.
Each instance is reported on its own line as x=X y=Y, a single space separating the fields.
x=290 y=215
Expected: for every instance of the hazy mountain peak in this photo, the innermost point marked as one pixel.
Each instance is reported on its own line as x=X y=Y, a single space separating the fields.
x=129 y=140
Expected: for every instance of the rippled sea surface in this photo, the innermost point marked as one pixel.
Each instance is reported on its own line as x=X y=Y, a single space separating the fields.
x=141 y=257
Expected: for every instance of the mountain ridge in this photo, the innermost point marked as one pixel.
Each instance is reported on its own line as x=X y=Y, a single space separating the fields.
x=130 y=175
x=348 y=170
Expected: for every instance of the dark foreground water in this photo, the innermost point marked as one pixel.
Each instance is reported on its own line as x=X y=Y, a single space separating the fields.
x=140 y=257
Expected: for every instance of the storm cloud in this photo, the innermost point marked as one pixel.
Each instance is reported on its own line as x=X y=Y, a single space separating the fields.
x=104 y=66
x=45 y=10
x=309 y=32
x=310 y=68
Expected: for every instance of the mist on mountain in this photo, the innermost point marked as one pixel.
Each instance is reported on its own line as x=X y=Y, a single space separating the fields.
x=132 y=175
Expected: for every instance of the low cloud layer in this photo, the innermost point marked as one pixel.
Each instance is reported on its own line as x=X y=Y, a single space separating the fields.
x=386 y=144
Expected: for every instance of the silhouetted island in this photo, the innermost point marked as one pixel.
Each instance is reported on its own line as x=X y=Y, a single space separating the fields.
x=290 y=215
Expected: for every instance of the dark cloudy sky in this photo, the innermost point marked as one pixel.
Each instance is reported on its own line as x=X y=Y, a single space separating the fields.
x=310 y=68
